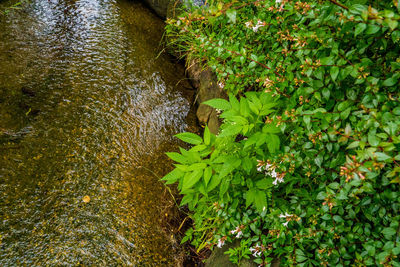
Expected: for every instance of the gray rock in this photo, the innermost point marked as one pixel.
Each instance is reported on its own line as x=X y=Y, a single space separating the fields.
x=205 y=81
x=160 y=6
x=165 y=7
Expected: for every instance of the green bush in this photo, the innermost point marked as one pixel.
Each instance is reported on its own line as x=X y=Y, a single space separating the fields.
x=306 y=167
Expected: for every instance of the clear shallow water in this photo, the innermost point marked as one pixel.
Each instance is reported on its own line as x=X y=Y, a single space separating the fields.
x=87 y=109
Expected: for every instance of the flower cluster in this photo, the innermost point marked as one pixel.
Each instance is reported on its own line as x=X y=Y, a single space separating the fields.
x=270 y=170
x=237 y=231
x=289 y=217
x=221 y=242
x=255 y=28
x=256 y=250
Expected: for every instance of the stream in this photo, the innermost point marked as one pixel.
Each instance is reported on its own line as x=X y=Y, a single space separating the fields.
x=88 y=106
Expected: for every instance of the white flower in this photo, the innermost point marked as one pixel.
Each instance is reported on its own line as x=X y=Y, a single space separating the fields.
x=256 y=251
x=239 y=234
x=258 y=25
x=260 y=168
x=273 y=174
x=248 y=24
x=221 y=84
x=220 y=243
x=285 y=215
x=285 y=223
x=257 y=254
x=277 y=179
x=278 y=1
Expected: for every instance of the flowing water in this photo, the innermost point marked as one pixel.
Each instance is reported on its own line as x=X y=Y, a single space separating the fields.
x=88 y=107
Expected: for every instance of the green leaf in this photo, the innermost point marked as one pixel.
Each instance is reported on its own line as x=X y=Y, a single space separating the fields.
x=190 y=138
x=396 y=111
x=252 y=64
x=273 y=143
x=173 y=176
x=230 y=130
x=252 y=139
x=231 y=13
x=300 y=256
x=234 y=102
x=342 y=195
x=197 y=166
x=357 y=9
x=372 y=29
x=360 y=28
x=322 y=195
x=244 y=107
x=264 y=183
x=186 y=199
x=388 y=231
x=334 y=185
x=318 y=160
x=207 y=174
x=177 y=157
x=191 y=178
x=353 y=145
x=389 y=82
x=371 y=250
x=218 y=103
x=269 y=128
x=307 y=120
x=373 y=140
x=260 y=200
x=207 y=136
x=250 y=196
x=214 y=182
x=392 y=23
x=334 y=72
x=224 y=187
x=382 y=156
x=198 y=148
x=231 y=164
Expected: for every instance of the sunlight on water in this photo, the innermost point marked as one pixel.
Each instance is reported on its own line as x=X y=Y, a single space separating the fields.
x=87 y=110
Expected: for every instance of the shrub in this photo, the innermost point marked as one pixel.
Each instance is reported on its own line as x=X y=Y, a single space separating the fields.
x=306 y=165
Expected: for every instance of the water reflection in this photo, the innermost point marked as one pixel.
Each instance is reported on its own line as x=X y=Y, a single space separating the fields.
x=86 y=109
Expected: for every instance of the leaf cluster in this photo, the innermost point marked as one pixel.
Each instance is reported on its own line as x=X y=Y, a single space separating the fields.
x=306 y=164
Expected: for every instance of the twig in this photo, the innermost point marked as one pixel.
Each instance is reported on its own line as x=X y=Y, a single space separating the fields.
x=339 y=4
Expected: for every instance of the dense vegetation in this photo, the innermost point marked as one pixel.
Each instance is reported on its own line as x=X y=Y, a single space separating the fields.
x=306 y=167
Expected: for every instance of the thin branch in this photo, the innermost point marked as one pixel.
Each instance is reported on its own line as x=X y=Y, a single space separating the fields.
x=339 y=4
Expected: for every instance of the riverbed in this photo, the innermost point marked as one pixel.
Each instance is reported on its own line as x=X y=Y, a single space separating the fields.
x=88 y=106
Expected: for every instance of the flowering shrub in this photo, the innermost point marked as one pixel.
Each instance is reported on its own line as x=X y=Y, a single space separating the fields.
x=306 y=167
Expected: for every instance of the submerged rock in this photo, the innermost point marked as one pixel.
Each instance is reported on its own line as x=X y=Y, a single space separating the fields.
x=28 y=91
x=11 y=136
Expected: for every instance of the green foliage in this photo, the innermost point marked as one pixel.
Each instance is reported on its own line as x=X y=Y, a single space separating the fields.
x=305 y=166
x=17 y=5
